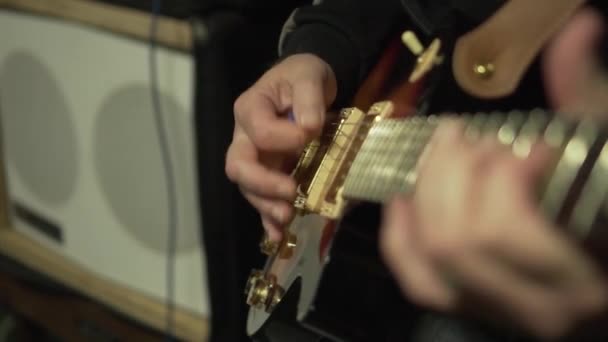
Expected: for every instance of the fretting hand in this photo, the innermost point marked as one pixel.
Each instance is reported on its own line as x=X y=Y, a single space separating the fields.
x=473 y=233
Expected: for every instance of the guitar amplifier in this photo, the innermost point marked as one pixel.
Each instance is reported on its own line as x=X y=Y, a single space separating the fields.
x=83 y=164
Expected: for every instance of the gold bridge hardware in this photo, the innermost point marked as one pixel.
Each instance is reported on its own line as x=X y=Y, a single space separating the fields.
x=323 y=167
x=427 y=58
x=263 y=292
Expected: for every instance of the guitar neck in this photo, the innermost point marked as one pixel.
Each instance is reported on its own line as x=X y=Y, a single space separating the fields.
x=386 y=163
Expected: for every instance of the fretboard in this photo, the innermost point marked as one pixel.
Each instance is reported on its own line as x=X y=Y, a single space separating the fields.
x=387 y=162
x=573 y=193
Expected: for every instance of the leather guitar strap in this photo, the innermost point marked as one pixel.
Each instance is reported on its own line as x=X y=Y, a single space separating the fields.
x=490 y=61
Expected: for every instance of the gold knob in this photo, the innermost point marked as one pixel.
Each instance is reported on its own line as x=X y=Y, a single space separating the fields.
x=253 y=278
x=263 y=292
x=484 y=70
x=277 y=295
x=257 y=290
x=268 y=246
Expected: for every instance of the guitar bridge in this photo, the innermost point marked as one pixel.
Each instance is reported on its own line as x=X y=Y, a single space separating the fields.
x=323 y=167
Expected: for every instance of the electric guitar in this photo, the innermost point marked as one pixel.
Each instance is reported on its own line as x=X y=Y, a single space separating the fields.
x=325 y=280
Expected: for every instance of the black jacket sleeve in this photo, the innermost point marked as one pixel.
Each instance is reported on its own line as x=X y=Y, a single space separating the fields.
x=348 y=34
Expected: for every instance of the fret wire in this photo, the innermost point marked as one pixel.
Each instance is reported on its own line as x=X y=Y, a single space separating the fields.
x=379 y=134
x=355 y=180
x=379 y=166
x=364 y=163
x=368 y=181
x=375 y=135
x=406 y=136
x=354 y=174
x=421 y=144
x=409 y=161
x=402 y=165
x=403 y=132
x=358 y=180
x=406 y=133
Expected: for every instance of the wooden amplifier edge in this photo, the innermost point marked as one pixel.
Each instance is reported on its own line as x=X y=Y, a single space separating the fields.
x=151 y=312
x=172 y=33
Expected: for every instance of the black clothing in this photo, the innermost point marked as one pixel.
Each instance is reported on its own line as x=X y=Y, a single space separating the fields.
x=351 y=34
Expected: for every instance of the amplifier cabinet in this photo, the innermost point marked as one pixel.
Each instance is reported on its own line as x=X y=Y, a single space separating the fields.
x=83 y=165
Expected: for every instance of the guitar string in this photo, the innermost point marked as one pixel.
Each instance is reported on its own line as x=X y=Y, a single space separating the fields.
x=401 y=126
x=464 y=116
x=491 y=123
x=339 y=132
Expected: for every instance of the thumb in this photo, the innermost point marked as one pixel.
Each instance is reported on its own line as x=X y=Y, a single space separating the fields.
x=568 y=63
x=309 y=104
